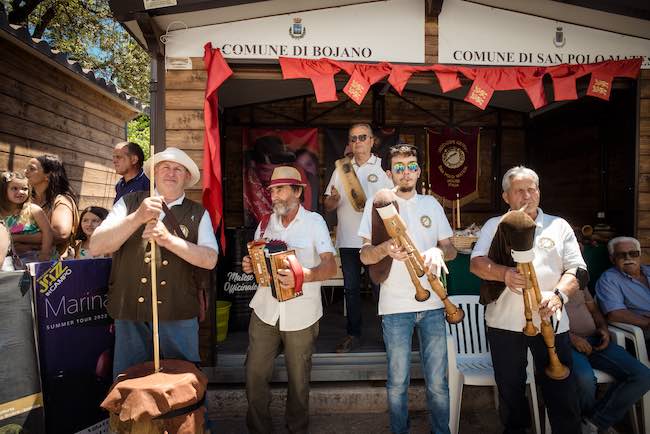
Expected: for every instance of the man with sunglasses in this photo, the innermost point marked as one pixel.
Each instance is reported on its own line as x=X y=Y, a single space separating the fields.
x=401 y=313
x=623 y=291
x=593 y=349
x=372 y=178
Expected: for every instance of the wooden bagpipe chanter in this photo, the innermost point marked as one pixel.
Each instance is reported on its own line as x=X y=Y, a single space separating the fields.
x=511 y=246
x=387 y=224
x=270 y=256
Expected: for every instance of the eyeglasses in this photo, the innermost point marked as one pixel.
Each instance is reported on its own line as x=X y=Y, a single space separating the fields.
x=399 y=168
x=625 y=255
x=360 y=137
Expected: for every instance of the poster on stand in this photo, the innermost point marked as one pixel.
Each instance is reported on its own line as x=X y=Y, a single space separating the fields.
x=264 y=150
x=76 y=340
x=21 y=400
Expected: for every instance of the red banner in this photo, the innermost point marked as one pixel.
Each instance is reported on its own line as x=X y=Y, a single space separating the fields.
x=264 y=150
x=453 y=164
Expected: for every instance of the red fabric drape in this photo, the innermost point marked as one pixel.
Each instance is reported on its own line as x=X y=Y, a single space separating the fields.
x=218 y=72
x=485 y=80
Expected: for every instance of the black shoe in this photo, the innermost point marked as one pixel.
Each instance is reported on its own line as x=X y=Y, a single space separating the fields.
x=348 y=344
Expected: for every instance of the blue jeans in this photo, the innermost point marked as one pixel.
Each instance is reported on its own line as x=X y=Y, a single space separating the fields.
x=351 y=267
x=632 y=382
x=398 y=335
x=134 y=342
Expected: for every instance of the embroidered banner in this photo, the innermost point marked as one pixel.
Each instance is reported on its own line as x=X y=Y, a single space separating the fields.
x=266 y=149
x=453 y=164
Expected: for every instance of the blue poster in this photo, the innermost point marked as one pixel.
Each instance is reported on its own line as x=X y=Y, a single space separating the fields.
x=76 y=340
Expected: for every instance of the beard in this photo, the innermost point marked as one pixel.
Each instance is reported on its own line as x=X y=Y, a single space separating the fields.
x=406 y=189
x=282 y=208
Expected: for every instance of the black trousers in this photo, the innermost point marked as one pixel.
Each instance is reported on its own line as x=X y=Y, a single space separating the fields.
x=509 y=357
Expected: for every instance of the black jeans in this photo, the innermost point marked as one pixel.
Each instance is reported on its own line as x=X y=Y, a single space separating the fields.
x=351 y=266
x=509 y=357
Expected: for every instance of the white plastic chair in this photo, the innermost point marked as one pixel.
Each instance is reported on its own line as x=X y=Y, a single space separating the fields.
x=473 y=358
x=635 y=335
x=456 y=379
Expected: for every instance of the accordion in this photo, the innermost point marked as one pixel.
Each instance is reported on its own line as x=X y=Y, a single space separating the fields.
x=267 y=257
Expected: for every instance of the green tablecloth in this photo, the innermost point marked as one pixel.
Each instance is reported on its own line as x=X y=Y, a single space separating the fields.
x=461 y=282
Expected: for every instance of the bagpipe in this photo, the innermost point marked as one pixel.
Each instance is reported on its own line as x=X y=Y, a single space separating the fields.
x=513 y=245
x=387 y=224
x=270 y=256
x=351 y=183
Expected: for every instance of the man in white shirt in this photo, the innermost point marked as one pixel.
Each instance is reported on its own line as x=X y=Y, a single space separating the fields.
x=401 y=312
x=560 y=268
x=290 y=325
x=372 y=178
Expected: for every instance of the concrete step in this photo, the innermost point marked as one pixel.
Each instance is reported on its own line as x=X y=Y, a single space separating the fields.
x=338 y=398
x=351 y=407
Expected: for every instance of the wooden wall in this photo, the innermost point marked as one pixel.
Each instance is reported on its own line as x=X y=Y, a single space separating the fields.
x=46 y=110
x=643 y=204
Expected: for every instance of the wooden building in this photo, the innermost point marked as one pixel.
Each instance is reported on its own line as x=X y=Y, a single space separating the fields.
x=592 y=156
x=49 y=104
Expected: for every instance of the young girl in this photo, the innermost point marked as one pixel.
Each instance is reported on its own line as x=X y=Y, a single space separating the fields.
x=31 y=234
x=91 y=217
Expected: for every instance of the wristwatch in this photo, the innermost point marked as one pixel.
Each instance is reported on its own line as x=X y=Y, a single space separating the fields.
x=563 y=298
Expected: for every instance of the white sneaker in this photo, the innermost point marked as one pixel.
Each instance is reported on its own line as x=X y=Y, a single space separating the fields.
x=588 y=427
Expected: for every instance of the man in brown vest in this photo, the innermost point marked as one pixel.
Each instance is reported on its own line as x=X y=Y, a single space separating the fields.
x=183 y=233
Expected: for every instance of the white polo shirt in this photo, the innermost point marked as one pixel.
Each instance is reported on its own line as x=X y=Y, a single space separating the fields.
x=556 y=250
x=307 y=233
x=427 y=224
x=372 y=179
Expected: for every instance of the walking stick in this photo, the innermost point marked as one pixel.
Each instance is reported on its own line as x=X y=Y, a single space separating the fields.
x=154 y=280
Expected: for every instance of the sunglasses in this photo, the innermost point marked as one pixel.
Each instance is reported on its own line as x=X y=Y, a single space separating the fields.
x=625 y=255
x=360 y=137
x=399 y=168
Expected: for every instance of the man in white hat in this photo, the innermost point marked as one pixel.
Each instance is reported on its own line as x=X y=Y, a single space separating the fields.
x=183 y=233
x=293 y=324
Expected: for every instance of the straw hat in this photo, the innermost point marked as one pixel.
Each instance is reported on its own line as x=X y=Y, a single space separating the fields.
x=177 y=156
x=286 y=175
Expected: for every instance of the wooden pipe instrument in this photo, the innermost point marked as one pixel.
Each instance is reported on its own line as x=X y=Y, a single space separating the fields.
x=396 y=229
x=521 y=230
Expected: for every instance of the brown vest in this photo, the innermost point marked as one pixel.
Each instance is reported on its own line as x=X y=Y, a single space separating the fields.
x=129 y=290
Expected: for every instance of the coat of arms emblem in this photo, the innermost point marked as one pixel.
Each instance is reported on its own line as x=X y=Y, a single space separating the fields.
x=297 y=30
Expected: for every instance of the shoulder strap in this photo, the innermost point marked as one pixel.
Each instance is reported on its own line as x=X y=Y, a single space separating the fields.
x=175 y=226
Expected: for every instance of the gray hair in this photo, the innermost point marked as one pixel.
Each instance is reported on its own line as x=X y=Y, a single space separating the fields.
x=518 y=171
x=362 y=125
x=614 y=241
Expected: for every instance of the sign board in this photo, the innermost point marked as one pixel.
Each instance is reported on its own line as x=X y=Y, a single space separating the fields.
x=21 y=400
x=390 y=30
x=469 y=33
x=75 y=343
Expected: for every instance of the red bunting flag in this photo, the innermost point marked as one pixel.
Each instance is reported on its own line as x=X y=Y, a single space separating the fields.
x=218 y=72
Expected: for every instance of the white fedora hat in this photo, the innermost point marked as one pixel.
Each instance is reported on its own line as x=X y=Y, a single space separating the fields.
x=177 y=156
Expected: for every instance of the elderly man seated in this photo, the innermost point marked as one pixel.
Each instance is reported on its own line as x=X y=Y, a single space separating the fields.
x=592 y=349
x=623 y=291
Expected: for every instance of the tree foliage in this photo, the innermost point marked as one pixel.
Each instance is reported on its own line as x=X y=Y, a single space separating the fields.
x=86 y=30
x=138 y=132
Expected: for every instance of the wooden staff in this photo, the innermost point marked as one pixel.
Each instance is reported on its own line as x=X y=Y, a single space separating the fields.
x=154 y=280
x=457 y=211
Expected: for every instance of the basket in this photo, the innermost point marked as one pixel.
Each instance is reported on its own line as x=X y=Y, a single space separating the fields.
x=464 y=243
